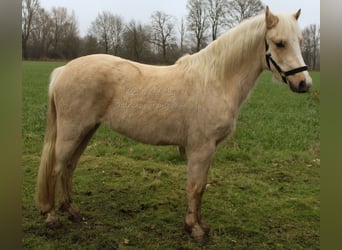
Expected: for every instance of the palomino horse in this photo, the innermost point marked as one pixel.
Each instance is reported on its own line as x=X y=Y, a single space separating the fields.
x=192 y=104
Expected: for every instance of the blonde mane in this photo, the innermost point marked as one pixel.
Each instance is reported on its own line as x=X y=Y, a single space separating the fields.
x=228 y=52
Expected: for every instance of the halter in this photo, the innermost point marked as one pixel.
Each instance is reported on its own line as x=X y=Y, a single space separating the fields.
x=283 y=74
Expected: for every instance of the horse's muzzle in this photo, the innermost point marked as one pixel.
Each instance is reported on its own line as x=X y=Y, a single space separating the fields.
x=301 y=87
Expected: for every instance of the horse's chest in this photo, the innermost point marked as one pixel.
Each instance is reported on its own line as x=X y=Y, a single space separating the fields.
x=220 y=123
x=224 y=129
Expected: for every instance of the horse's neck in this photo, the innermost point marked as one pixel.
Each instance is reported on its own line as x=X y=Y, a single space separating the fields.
x=238 y=86
x=239 y=59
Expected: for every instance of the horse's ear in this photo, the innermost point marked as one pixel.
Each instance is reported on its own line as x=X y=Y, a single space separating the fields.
x=271 y=20
x=297 y=14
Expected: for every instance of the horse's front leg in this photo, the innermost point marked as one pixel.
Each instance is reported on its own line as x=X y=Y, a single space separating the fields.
x=199 y=160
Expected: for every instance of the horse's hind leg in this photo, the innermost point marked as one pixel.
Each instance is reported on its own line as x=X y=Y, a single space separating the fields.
x=67 y=203
x=68 y=141
x=63 y=153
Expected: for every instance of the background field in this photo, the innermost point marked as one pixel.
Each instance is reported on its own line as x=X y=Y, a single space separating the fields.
x=263 y=190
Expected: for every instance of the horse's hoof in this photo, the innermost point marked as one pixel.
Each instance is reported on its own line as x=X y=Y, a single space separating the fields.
x=53 y=224
x=75 y=217
x=198 y=233
x=52 y=221
x=202 y=240
x=72 y=210
x=205 y=227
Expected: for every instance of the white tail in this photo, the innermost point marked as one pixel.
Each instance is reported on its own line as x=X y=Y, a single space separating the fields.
x=45 y=186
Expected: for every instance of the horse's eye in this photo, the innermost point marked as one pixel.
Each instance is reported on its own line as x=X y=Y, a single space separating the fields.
x=280 y=44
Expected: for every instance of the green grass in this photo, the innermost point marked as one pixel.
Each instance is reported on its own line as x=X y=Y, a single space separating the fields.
x=263 y=190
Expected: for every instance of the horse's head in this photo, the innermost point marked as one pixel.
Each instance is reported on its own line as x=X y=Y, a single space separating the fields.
x=283 y=53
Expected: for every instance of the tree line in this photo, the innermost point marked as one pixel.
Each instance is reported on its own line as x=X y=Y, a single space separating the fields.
x=54 y=34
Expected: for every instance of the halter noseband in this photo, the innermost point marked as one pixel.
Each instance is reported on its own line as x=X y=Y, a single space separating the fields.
x=283 y=74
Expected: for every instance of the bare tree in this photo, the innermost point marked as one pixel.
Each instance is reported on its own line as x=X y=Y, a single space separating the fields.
x=137 y=39
x=90 y=45
x=42 y=34
x=163 y=26
x=182 y=30
x=71 y=39
x=58 y=16
x=198 y=21
x=29 y=8
x=65 y=33
x=311 y=46
x=239 y=10
x=48 y=34
x=216 y=14
x=100 y=28
x=117 y=33
x=108 y=29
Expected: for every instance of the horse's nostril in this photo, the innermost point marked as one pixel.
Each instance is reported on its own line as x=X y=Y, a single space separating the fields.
x=302 y=86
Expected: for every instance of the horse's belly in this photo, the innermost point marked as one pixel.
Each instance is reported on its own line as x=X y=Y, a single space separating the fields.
x=150 y=134
x=151 y=126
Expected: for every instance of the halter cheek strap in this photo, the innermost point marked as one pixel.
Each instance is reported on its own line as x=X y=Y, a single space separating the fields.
x=283 y=74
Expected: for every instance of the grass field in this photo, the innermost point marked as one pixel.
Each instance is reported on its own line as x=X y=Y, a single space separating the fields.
x=263 y=190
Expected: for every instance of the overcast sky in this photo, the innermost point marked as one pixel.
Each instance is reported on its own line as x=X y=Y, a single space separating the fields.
x=87 y=10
